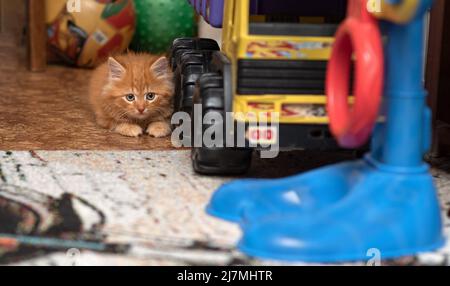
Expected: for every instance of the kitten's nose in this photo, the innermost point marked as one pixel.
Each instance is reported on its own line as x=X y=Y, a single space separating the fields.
x=141 y=109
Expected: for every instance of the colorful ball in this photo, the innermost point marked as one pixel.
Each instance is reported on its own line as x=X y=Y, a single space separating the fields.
x=159 y=22
x=85 y=32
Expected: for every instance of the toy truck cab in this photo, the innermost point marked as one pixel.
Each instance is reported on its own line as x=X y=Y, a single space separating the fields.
x=273 y=61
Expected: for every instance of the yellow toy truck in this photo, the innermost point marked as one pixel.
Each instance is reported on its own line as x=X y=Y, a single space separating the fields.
x=272 y=60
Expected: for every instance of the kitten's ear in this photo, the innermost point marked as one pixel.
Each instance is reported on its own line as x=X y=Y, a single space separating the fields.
x=116 y=70
x=161 y=67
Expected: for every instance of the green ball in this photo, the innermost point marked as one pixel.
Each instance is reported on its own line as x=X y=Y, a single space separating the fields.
x=159 y=22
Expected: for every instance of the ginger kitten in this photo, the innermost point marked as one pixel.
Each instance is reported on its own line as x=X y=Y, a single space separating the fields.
x=132 y=94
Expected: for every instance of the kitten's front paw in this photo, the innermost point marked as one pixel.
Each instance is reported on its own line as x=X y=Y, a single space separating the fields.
x=159 y=129
x=130 y=130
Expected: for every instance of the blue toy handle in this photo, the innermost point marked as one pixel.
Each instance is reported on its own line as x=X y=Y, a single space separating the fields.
x=402 y=141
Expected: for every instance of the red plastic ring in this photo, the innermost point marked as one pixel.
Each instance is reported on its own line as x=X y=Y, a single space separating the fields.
x=352 y=125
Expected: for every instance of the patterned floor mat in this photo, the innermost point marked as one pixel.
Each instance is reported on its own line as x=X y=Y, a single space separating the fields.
x=131 y=208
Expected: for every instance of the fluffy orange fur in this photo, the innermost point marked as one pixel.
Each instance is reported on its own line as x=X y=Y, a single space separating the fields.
x=132 y=94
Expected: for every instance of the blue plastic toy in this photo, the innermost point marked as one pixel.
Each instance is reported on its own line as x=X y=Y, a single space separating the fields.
x=385 y=201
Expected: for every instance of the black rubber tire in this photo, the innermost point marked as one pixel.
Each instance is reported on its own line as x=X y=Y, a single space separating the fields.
x=221 y=161
x=216 y=160
x=182 y=45
x=188 y=62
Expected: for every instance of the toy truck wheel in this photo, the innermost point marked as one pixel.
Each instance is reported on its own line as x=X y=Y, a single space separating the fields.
x=189 y=59
x=183 y=45
x=215 y=160
x=221 y=161
x=190 y=67
x=218 y=160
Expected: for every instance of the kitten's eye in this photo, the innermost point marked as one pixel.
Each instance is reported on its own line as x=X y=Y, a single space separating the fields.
x=130 y=97
x=150 y=96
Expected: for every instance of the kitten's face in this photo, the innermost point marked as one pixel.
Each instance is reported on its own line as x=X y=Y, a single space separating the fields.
x=140 y=90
